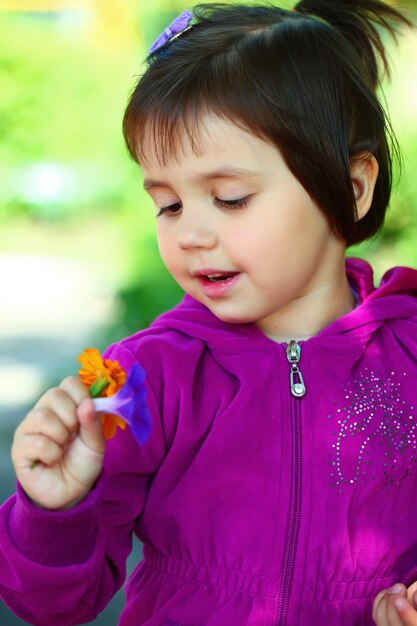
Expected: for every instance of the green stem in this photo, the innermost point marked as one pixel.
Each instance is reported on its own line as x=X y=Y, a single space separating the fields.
x=98 y=387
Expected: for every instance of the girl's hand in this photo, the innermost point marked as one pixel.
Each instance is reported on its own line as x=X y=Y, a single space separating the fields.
x=58 y=449
x=396 y=606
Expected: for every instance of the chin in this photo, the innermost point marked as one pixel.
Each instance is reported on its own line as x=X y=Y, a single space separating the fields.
x=231 y=318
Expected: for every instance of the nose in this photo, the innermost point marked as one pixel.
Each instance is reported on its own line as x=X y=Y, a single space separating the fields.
x=194 y=233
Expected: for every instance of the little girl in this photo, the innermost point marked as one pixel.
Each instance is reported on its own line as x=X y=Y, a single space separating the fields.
x=278 y=486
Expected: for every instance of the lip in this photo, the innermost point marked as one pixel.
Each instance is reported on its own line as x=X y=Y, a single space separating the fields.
x=219 y=289
x=209 y=270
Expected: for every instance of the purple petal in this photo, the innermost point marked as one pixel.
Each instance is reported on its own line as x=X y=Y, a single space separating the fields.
x=180 y=22
x=176 y=27
x=160 y=41
x=129 y=403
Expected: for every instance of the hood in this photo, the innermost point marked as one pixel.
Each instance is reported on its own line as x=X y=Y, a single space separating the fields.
x=395 y=298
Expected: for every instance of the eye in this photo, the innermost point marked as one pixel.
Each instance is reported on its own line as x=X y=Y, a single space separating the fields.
x=239 y=203
x=171 y=209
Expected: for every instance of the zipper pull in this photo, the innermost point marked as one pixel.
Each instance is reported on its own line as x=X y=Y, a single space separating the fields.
x=298 y=388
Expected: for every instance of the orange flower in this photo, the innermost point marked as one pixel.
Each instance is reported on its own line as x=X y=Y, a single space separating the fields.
x=110 y=423
x=103 y=377
x=94 y=368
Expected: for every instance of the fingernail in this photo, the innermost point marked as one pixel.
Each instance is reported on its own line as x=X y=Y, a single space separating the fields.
x=396 y=588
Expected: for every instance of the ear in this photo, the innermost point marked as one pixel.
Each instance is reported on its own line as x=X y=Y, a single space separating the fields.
x=364 y=172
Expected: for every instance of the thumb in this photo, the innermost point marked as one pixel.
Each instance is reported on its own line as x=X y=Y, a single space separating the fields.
x=91 y=428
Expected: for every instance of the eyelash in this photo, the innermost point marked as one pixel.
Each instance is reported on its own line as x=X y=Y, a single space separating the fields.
x=240 y=203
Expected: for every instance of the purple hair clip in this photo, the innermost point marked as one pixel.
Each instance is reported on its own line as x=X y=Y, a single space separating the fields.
x=177 y=27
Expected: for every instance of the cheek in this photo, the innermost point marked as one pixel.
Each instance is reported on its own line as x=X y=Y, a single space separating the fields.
x=280 y=235
x=167 y=244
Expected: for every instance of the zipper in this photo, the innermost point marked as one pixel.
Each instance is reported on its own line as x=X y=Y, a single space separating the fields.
x=297 y=385
x=297 y=390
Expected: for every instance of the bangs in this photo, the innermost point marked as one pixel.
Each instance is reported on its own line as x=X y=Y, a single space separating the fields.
x=165 y=134
x=163 y=119
x=165 y=127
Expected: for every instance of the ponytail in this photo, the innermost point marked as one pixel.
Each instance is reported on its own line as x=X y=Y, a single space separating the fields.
x=358 y=22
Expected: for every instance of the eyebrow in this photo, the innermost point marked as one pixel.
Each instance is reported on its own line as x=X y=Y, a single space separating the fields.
x=228 y=172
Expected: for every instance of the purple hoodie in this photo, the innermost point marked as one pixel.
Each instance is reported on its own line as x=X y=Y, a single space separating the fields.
x=256 y=507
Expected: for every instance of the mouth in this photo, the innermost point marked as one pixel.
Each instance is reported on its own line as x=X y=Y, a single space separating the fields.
x=209 y=276
x=217 y=277
x=216 y=283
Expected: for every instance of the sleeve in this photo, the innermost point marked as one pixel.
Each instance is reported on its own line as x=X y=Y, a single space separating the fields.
x=63 y=567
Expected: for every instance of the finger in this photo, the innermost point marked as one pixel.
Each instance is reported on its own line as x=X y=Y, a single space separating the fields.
x=62 y=404
x=380 y=597
x=394 y=618
x=412 y=594
x=42 y=423
x=382 y=610
x=75 y=388
x=406 y=613
x=376 y=607
x=37 y=448
x=45 y=422
x=91 y=428
x=377 y=603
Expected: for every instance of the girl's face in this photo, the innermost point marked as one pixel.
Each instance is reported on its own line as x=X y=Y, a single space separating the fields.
x=240 y=234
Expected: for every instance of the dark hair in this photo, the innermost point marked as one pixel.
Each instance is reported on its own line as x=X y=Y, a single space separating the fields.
x=303 y=80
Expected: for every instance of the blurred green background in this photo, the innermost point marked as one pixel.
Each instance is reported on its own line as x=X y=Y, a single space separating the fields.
x=67 y=187
x=78 y=258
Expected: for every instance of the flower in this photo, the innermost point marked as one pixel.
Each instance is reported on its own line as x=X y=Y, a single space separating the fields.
x=106 y=381
x=100 y=375
x=176 y=28
x=129 y=404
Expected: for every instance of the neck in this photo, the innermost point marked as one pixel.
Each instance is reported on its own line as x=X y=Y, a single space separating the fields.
x=310 y=313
